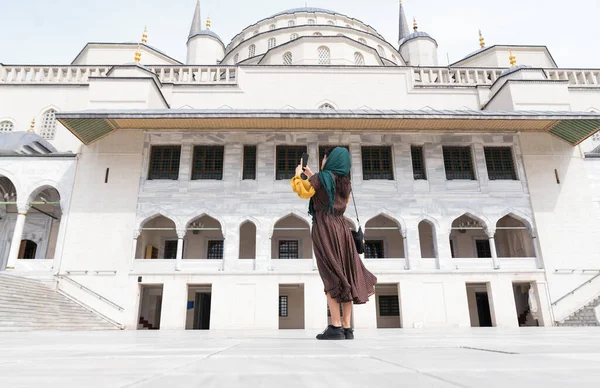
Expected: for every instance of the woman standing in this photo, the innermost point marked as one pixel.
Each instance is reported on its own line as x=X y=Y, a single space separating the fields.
x=344 y=276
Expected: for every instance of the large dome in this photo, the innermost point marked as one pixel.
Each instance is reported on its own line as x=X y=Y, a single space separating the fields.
x=305 y=9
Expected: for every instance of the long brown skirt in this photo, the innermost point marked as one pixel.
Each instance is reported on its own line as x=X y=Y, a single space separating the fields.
x=344 y=275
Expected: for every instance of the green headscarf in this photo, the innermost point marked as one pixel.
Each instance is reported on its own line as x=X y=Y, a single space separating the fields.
x=338 y=163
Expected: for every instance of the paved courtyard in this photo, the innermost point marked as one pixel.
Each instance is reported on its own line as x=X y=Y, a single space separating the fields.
x=486 y=357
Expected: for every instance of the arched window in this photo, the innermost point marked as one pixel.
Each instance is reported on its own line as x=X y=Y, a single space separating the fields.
x=324 y=55
x=251 y=51
x=48 y=126
x=27 y=249
x=272 y=43
x=291 y=23
x=381 y=51
x=272 y=27
x=331 y=23
x=293 y=36
x=236 y=59
x=326 y=106
x=361 y=40
x=255 y=33
x=287 y=58
x=359 y=60
x=311 y=21
x=317 y=34
x=6 y=126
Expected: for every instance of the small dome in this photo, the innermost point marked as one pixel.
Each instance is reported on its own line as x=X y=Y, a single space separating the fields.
x=24 y=143
x=415 y=35
x=206 y=33
x=305 y=9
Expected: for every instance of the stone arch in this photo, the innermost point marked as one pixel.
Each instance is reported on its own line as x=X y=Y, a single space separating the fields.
x=296 y=213
x=40 y=186
x=394 y=217
x=156 y=214
x=326 y=103
x=428 y=239
x=384 y=236
x=206 y=213
x=518 y=215
x=247 y=240
x=483 y=220
x=292 y=237
x=15 y=183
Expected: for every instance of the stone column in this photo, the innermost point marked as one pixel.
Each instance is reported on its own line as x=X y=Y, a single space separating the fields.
x=17 y=236
x=407 y=256
x=62 y=235
x=231 y=247
x=492 y=241
x=444 y=252
x=413 y=250
x=263 y=248
x=179 y=257
x=136 y=235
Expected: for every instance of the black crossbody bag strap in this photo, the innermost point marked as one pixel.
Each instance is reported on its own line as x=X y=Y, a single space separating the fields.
x=355 y=209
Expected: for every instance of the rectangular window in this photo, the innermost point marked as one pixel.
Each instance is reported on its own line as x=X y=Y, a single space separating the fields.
x=377 y=163
x=164 y=162
x=374 y=249
x=288 y=157
x=170 y=249
x=458 y=163
x=483 y=248
x=215 y=250
x=323 y=149
x=418 y=163
x=283 y=306
x=208 y=162
x=500 y=164
x=249 y=168
x=389 y=306
x=288 y=249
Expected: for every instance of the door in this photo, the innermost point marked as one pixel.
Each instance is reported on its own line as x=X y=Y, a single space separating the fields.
x=483 y=309
x=202 y=318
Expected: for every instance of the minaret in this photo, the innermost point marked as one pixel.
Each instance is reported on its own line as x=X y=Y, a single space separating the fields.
x=403 y=30
x=419 y=48
x=204 y=46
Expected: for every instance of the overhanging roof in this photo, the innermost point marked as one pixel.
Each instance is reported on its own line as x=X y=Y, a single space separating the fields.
x=572 y=127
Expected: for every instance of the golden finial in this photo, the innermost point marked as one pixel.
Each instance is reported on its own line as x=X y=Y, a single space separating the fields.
x=138 y=54
x=145 y=35
x=481 y=40
x=208 y=23
x=415 y=26
x=32 y=126
x=512 y=59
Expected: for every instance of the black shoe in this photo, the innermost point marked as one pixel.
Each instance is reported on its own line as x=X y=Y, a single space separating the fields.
x=332 y=333
x=349 y=333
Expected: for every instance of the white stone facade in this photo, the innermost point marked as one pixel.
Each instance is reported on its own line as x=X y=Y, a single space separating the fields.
x=110 y=212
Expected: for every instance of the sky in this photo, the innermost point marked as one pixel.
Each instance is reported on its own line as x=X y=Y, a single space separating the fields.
x=55 y=31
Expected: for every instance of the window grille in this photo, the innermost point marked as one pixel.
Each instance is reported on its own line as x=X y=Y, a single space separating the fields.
x=287 y=58
x=483 y=248
x=327 y=106
x=272 y=43
x=374 y=249
x=6 y=126
x=288 y=249
x=164 y=162
x=317 y=34
x=389 y=306
x=236 y=59
x=251 y=51
x=170 y=249
x=458 y=163
x=208 y=162
x=48 y=127
x=500 y=164
x=361 y=40
x=311 y=21
x=377 y=163
x=418 y=163
x=283 y=306
x=293 y=36
x=215 y=250
x=359 y=60
x=272 y=27
x=288 y=158
x=331 y=23
x=291 y=23
x=324 y=55
x=381 y=51
x=249 y=169
x=324 y=148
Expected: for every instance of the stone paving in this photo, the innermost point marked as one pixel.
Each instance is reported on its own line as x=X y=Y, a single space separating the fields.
x=483 y=357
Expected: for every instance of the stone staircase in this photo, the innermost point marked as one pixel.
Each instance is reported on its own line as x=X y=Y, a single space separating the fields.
x=583 y=317
x=27 y=304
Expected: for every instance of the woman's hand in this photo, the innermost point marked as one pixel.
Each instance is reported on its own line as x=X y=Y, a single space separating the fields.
x=308 y=172
x=299 y=169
